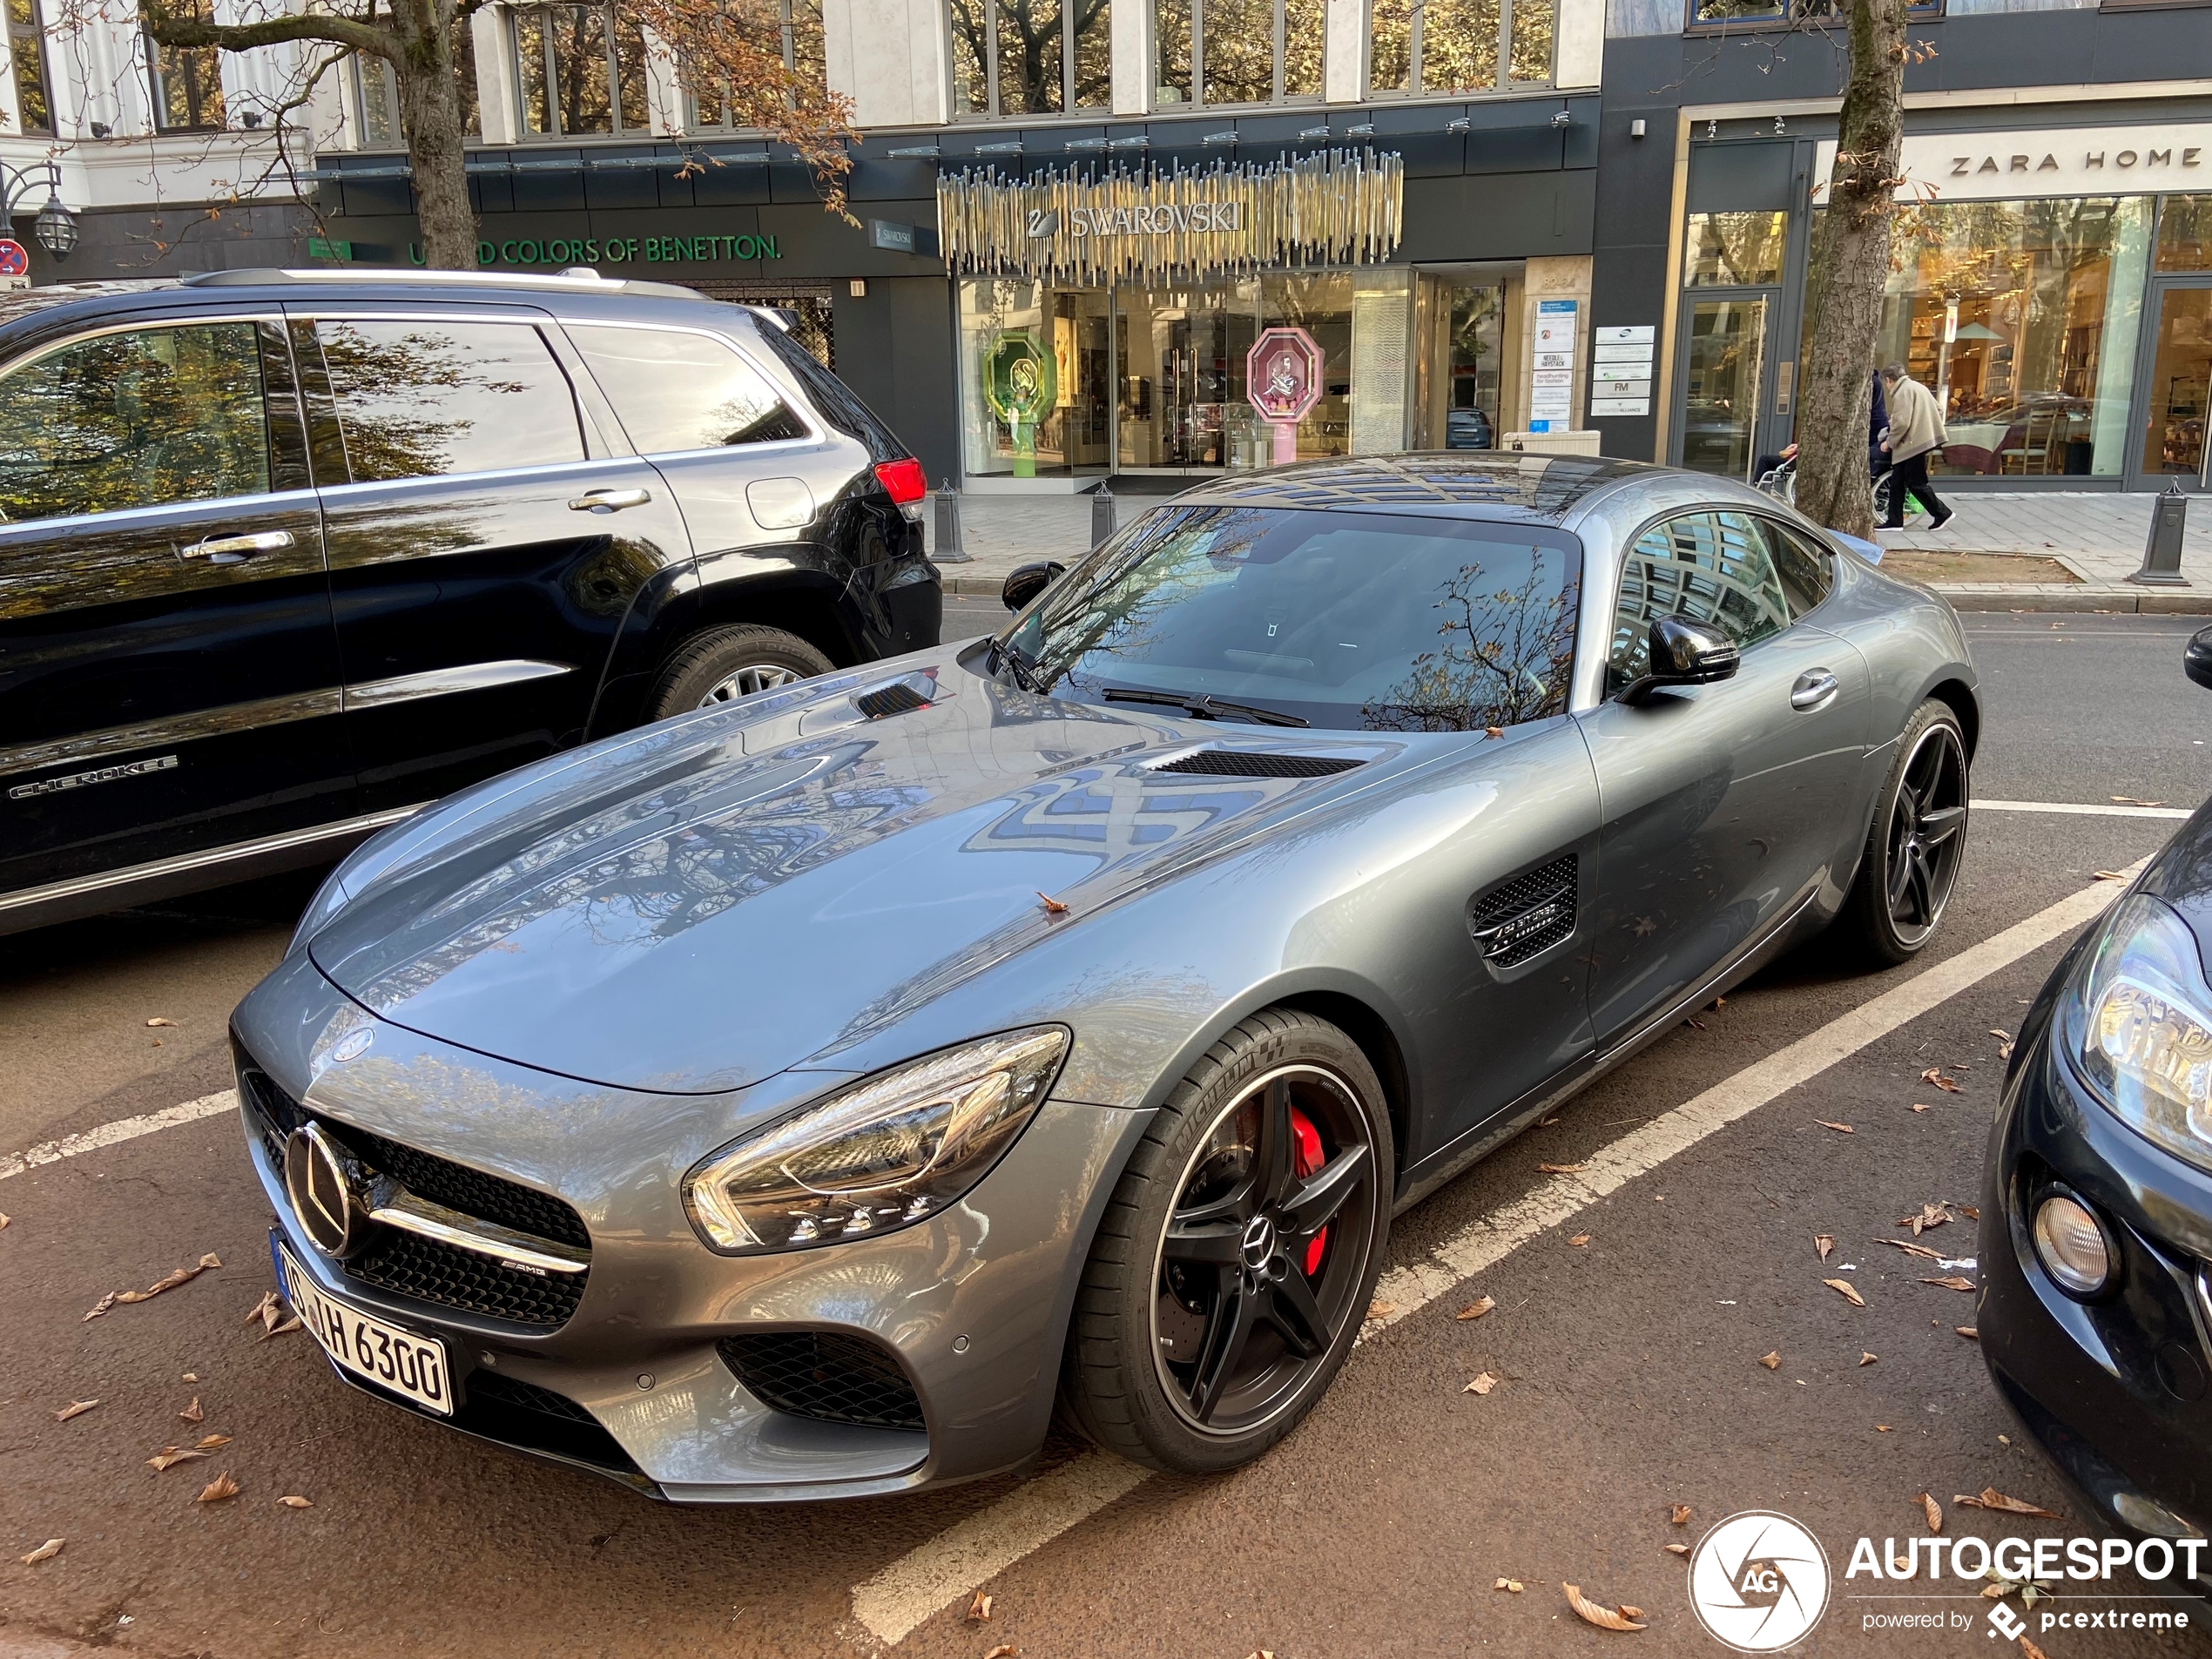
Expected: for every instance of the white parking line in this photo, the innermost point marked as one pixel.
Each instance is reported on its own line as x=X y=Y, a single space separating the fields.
x=124 y=1128
x=964 y=1557
x=2073 y=808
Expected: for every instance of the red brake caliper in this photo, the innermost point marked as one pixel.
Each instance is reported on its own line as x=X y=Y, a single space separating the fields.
x=1309 y=1160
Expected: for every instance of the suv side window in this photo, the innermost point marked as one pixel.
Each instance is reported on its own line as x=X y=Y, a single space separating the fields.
x=1713 y=567
x=675 y=391
x=425 y=399
x=143 y=417
x=1807 y=570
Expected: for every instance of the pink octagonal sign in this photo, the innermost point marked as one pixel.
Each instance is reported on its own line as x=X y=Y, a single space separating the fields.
x=1283 y=375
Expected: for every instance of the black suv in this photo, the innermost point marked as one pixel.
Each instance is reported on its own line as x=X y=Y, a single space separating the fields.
x=285 y=555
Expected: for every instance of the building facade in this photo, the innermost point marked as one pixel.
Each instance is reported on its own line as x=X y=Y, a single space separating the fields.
x=2052 y=277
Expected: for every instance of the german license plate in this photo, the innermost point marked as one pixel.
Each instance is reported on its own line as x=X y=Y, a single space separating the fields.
x=407 y=1365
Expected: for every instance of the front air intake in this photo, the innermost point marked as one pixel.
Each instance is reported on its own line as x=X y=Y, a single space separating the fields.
x=1233 y=762
x=824 y=1374
x=1528 y=915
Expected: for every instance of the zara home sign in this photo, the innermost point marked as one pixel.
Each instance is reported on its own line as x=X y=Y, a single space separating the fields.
x=2045 y=161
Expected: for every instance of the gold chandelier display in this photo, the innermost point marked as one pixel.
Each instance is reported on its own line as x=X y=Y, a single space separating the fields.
x=1096 y=225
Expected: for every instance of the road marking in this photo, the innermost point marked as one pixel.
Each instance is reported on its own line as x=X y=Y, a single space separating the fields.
x=124 y=1128
x=2115 y=810
x=967 y=1556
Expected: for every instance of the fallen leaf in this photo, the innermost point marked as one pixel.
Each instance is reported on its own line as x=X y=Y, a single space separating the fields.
x=191 y=1376
x=1955 y=1282
x=45 y=1552
x=293 y=1500
x=1998 y=1590
x=2112 y=875
x=1990 y=1498
x=265 y=1309
x=1052 y=905
x=1676 y=1549
x=1845 y=1289
x=75 y=1408
x=182 y=1276
x=1932 y=1215
x=98 y=1308
x=157 y=1020
x=1934 y=1511
x=1971 y=1332
x=1579 y=1240
x=1972 y=1211
x=1006 y=1649
x=1482 y=1385
x=2028 y=1648
x=1882 y=1429
x=168 y=1457
x=292 y=1324
x=1824 y=1242
x=1868 y=1358
x=1933 y=1077
x=1912 y=1249
x=1475 y=1309
x=192 y=1413
x=3 y=1221
x=2130 y=800
x=1695 y=1024
x=1771 y=1362
x=1561 y=1169
x=1510 y=1585
x=217 y=1490
x=211 y=1442
x=1679 y=1515
x=1380 y=1309
x=1840 y=1129
x=1590 y=1613
x=1919 y=1107
x=1493 y=731
x=980 y=1608
x=1628 y=1612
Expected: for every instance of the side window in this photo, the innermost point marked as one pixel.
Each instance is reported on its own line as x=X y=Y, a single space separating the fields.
x=677 y=391
x=1807 y=570
x=422 y=400
x=1714 y=567
x=141 y=418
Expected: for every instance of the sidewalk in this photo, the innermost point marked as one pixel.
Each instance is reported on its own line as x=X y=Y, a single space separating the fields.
x=2097 y=538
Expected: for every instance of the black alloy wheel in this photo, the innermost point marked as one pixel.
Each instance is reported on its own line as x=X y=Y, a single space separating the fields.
x=1918 y=838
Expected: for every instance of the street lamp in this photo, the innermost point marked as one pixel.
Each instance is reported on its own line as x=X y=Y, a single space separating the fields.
x=56 y=227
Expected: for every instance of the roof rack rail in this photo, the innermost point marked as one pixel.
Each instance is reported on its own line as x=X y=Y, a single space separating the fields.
x=576 y=279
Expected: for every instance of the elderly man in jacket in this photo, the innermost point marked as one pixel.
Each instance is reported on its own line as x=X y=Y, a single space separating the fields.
x=1916 y=431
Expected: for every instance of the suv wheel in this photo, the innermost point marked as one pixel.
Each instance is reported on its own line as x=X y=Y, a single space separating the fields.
x=724 y=663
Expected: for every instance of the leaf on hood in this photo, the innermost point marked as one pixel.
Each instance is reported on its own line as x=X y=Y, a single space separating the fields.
x=1561 y=1169
x=192 y=1413
x=1933 y=1077
x=1953 y=1281
x=978 y=1608
x=1934 y=1511
x=1845 y=1289
x=1676 y=1549
x=168 y=1457
x=1865 y=1359
x=1990 y=1498
x=1590 y=1613
x=1579 y=1240
x=1679 y=1515
x=75 y=1408
x=221 y=1487
x=293 y=1500
x=1380 y=1309
x=1493 y=731
x=1824 y=1242
x=212 y=1442
x=1771 y=1362
x=1840 y=1129
x=1476 y=1309
x=1971 y=1332
x=1052 y=905
x=1921 y=1250
x=1510 y=1586
x=1482 y=1385
x=45 y=1552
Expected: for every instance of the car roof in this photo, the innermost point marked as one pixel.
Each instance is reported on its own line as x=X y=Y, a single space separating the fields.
x=1525 y=489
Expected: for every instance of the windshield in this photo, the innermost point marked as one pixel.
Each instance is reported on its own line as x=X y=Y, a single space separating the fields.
x=1362 y=622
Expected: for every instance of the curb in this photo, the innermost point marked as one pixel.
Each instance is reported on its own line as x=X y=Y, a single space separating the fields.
x=2090 y=601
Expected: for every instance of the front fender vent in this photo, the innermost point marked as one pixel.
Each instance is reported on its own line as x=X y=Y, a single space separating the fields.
x=1234 y=763
x=897 y=698
x=1528 y=915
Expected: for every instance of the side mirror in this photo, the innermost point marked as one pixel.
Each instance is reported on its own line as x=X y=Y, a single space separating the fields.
x=2196 y=661
x=1684 y=652
x=1028 y=581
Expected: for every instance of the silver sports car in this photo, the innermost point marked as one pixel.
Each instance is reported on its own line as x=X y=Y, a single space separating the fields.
x=799 y=1097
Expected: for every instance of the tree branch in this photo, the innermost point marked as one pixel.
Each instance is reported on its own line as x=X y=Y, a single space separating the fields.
x=172 y=30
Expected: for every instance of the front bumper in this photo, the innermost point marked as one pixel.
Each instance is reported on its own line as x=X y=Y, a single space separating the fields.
x=2114 y=1390
x=972 y=1305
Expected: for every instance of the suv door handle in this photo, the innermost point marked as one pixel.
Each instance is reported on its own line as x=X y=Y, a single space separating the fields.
x=228 y=550
x=1812 y=690
x=608 y=501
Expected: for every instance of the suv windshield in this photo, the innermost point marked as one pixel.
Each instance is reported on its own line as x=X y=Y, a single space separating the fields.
x=1364 y=622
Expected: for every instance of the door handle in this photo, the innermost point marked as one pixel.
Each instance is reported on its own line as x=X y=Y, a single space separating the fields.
x=608 y=501
x=1812 y=690
x=228 y=550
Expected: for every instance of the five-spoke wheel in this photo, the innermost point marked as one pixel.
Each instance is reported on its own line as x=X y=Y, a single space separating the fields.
x=1918 y=839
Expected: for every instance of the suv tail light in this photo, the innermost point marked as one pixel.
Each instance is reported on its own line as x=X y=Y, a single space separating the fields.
x=906 y=482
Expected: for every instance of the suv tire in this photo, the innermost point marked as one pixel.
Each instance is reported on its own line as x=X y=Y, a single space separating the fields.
x=724 y=664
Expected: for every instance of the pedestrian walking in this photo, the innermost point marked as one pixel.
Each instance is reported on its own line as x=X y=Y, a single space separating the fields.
x=1916 y=432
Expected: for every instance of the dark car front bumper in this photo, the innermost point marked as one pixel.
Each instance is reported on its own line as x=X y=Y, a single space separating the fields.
x=2118 y=1390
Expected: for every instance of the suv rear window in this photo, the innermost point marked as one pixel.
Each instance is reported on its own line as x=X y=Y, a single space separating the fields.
x=675 y=391
x=834 y=398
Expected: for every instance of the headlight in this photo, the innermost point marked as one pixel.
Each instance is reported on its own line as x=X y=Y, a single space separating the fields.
x=890 y=1150
x=2138 y=1022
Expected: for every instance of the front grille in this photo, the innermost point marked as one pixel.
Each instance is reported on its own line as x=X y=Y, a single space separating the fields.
x=825 y=1374
x=470 y=1191
x=897 y=698
x=1528 y=915
x=404 y=1265
x=537 y=1420
x=1231 y=763
x=523 y=1396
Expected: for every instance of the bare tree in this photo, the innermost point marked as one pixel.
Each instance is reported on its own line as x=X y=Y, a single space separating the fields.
x=731 y=49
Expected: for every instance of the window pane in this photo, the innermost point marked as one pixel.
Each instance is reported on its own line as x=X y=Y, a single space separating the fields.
x=808 y=51
x=1735 y=10
x=1171 y=30
x=676 y=391
x=1807 y=570
x=1094 y=54
x=1533 y=22
x=417 y=400
x=1711 y=567
x=32 y=106
x=1029 y=71
x=1734 y=250
x=1238 y=38
x=537 y=92
x=1460 y=45
x=1304 y=29
x=971 y=59
x=187 y=81
x=134 y=419
x=580 y=68
x=1391 y=60
x=380 y=124
x=636 y=112
x=2185 y=234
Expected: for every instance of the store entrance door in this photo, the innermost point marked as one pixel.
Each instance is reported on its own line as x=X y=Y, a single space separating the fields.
x=1727 y=385
x=2176 y=379
x=1179 y=398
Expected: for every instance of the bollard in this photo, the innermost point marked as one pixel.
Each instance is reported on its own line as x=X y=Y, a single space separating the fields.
x=949 y=550
x=2170 y=517
x=1102 y=513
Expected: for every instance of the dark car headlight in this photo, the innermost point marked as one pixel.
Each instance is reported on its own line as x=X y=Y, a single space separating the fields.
x=891 y=1149
x=2137 y=1021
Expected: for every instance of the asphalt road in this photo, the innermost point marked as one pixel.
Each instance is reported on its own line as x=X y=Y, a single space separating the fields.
x=1629 y=1368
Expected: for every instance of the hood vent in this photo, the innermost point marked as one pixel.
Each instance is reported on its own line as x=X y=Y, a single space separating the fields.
x=897 y=698
x=1233 y=762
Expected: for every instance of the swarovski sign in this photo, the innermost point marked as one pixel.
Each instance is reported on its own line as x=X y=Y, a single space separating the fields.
x=1139 y=219
x=2045 y=161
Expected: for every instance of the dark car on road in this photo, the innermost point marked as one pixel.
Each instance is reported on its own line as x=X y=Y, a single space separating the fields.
x=2096 y=1224
x=285 y=555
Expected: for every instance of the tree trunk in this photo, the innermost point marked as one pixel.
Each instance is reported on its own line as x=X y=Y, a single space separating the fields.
x=430 y=115
x=1851 y=265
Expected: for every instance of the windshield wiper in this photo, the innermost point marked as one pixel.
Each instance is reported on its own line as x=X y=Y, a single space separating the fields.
x=1007 y=652
x=1201 y=705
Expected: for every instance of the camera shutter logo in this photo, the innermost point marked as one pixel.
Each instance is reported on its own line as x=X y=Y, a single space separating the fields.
x=1758 y=1582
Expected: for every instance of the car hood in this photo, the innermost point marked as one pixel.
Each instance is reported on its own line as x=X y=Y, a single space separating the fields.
x=706 y=902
